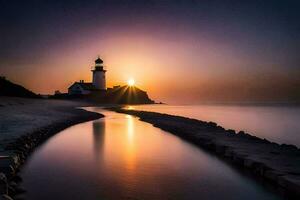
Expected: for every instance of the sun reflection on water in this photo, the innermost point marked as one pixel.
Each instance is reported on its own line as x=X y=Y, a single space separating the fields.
x=130 y=155
x=129 y=107
x=120 y=157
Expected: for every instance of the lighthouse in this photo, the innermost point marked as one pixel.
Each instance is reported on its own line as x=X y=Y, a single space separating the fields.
x=99 y=81
x=98 y=84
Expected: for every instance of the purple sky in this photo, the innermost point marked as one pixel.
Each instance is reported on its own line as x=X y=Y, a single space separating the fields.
x=179 y=51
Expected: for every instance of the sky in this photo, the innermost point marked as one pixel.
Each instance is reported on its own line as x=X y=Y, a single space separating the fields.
x=182 y=52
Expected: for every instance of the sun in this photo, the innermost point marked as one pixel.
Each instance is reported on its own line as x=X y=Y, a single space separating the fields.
x=131 y=82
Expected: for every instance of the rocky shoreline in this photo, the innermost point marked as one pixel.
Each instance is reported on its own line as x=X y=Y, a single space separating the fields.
x=15 y=149
x=277 y=164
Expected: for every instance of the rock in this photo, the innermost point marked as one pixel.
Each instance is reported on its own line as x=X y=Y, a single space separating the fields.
x=19 y=197
x=16 y=178
x=228 y=153
x=241 y=133
x=19 y=190
x=220 y=148
x=272 y=175
x=6 y=165
x=249 y=163
x=238 y=159
x=290 y=182
x=230 y=131
x=6 y=197
x=3 y=178
x=289 y=146
x=278 y=163
x=212 y=124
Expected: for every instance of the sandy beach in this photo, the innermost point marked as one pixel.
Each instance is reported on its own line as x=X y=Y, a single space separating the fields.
x=20 y=116
x=26 y=123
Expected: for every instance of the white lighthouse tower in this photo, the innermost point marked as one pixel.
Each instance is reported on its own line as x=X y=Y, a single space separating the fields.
x=99 y=81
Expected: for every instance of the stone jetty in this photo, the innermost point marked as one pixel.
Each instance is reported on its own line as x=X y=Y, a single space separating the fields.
x=277 y=164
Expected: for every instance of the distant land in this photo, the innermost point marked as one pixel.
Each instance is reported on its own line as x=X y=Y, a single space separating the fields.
x=8 y=88
x=116 y=95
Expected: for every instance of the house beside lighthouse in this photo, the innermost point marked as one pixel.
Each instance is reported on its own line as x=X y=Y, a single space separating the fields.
x=97 y=85
x=96 y=91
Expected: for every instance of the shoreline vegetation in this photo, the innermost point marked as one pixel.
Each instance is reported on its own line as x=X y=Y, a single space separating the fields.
x=24 y=125
x=277 y=164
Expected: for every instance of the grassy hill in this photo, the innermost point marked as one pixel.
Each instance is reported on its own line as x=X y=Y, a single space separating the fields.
x=8 y=88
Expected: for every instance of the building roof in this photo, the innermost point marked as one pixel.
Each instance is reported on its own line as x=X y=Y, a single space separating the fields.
x=85 y=86
x=98 y=60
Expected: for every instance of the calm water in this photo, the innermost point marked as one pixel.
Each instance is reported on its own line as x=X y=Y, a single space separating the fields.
x=277 y=124
x=120 y=157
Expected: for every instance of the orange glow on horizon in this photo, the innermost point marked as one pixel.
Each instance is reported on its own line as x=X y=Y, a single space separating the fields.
x=191 y=73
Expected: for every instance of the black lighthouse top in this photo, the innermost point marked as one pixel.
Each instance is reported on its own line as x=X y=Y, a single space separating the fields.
x=98 y=61
x=98 y=65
